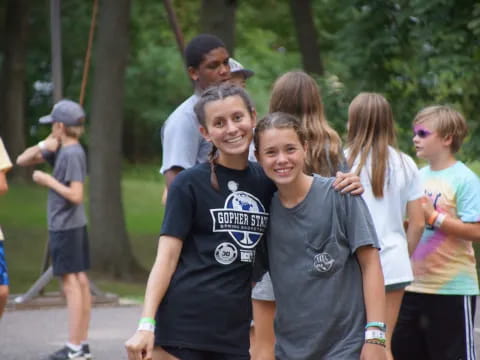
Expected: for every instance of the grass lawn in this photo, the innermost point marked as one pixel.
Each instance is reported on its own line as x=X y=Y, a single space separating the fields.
x=23 y=220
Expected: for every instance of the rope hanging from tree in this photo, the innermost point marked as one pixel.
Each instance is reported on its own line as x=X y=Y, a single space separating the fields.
x=88 y=53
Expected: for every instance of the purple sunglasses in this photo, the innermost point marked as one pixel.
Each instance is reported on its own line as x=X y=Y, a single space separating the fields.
x=421 y=132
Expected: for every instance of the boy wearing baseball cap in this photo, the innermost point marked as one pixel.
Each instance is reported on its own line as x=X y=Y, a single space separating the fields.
x=66 y=217
x=238 y=74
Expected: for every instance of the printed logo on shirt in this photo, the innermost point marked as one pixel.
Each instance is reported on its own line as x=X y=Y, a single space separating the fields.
x=247 y=255
x=323 y=262
x=243 y=217
x=226 y=253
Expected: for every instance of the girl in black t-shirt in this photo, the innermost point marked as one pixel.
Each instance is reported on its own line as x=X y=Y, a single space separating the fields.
x=198 y=293
x=198 y=298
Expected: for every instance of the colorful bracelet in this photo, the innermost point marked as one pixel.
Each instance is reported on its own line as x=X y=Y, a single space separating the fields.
x=146 y=324
x=432 y=218
x=375 y=342
x=147 y=320
x=377 y=324
x=439 y=220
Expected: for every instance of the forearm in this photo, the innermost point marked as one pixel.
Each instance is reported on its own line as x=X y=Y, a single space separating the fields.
x=170 y=175
x=456 y=227
x=72 y=193
x=161 y=274
x=31 y=156
x=416 y=224
x=373 y=284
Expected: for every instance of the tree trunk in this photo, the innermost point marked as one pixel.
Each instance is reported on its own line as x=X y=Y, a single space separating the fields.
x=218 y=17
x=307 y=36
x=111 y=251
x=12 y=109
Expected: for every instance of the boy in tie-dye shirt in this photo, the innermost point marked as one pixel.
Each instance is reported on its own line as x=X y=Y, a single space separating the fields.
x=436 y=317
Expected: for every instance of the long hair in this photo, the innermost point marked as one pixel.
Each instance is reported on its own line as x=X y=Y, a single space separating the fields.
x=371 y=130
x=298 y=94
x=214 y=93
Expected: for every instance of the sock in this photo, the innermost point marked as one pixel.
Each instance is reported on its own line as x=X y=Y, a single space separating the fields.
x=74 y=347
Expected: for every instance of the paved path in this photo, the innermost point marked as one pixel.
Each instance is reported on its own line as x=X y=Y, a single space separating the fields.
x=32 y=334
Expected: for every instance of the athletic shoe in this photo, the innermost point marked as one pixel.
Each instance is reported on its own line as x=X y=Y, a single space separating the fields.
x=66 y=353
x=86 y=352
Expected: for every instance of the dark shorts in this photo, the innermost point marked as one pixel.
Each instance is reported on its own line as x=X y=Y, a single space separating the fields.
x=69 y=251
x=193 y=354
x=435 y=327
x=3 y=266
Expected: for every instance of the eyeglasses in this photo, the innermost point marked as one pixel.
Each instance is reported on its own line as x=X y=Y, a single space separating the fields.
x=421 y=132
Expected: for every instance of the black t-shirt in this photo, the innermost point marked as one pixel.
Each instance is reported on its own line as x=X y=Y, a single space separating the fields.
x=207 y=305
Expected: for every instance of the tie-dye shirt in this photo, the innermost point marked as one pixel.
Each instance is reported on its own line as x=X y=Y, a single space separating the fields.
x=445 y=264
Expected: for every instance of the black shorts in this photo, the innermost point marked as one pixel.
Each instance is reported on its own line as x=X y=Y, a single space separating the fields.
x=435 y=327
x=194 y=354
x=69 y=251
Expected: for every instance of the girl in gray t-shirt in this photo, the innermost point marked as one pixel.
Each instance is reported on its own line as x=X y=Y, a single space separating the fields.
x=322 y=254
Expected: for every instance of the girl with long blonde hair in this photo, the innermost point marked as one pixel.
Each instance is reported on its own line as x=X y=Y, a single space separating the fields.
x=392 y=192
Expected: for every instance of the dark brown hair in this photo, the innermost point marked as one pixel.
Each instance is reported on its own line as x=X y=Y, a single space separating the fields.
x=214 y=93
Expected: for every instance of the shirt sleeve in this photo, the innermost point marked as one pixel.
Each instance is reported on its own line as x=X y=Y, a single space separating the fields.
x=5 y=163
x=359 y=224
x=180 y=142
x=414 y=187
x=75 y=168
x=179 y=211
x=468 y=199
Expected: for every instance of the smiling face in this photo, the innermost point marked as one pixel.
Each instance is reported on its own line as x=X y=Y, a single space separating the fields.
x=229 y=126
x=428 y=143
x=282 y=155
x=214 y=69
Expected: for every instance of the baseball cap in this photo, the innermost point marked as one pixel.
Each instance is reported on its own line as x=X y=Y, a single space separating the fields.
x=235 y=66
x=65 y=111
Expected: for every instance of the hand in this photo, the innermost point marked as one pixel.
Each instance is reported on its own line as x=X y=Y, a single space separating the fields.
x=373 y=352
x=41 y=177
x=348 y=183
x=51 y=143
x=427 y=206
x=140 y=345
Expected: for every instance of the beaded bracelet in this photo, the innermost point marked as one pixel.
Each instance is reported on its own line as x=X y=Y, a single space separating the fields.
x=375 y=342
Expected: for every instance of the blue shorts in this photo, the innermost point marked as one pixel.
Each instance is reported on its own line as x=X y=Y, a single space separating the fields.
x=3 y=266
x=69 y=251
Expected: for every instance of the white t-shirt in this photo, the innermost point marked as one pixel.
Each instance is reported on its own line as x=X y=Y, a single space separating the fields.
x=402 y=185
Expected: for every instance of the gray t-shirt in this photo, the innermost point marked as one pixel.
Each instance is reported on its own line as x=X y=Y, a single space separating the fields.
x=69 y=164
x=316 y=277
x=182 y=143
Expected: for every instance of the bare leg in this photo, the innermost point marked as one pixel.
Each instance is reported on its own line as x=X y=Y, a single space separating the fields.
x=73 y=293
x=393 y=302
x=86 y=304
x=3 y=298
x=264 y=343
x=160 y=354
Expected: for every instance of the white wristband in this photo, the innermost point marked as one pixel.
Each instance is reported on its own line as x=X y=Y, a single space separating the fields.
x=146 y=327
x=42 y=145
x=374 y=334
x=439 y=221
